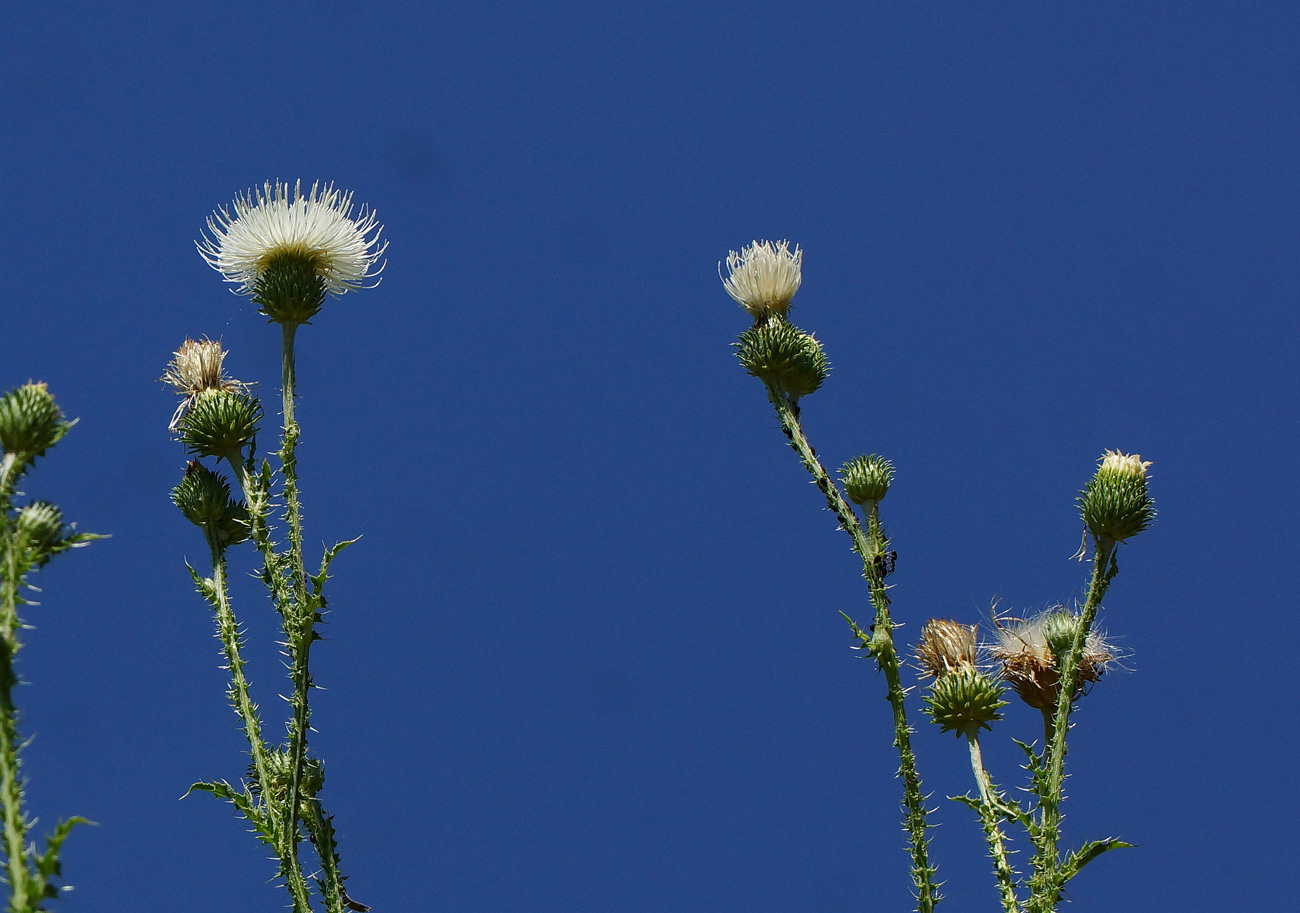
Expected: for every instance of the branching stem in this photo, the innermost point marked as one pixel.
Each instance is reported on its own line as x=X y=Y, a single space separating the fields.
x=872 y=547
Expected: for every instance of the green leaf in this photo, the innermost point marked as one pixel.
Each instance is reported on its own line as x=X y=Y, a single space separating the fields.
x=1087 y=853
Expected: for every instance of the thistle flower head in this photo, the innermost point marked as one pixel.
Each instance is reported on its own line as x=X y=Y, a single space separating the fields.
x=195 y=367
x=946 y=646
x=763 y=277
x=867 y=479
x=1031 y=650
x=1115 y=504
x=30 y=422
x=288 y=249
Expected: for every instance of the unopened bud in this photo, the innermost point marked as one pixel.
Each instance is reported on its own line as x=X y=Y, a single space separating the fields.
x=40 y=530
x=965 y=701
x=866 y=479
x=30 y=421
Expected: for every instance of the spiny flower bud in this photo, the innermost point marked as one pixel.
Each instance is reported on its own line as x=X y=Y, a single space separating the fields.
x=220 y=423
x=946 y=646
x=1031 y=651
x=866 y=479
x=40 y=531
x=30 y=421
x=204 y=498
x=1115 y=504
x=964 y=701
x=197 y=366
x=763 y=277
x=784 y=356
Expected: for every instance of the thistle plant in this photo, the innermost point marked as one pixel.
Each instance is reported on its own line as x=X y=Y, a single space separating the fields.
x=1049 y=660
x=287 y=250
x=30 y=535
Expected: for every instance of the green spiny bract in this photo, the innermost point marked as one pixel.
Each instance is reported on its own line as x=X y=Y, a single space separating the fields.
x=290 y=289
x=781 y=354
x=1115 y=504
x=866 y=479
x=204 y=498
x=30 y=421
x=220 y=423
x=965 y=702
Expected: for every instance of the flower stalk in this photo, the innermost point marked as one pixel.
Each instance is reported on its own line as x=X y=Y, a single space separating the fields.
x=30 y=423
x=287 y=249
x=872 y=546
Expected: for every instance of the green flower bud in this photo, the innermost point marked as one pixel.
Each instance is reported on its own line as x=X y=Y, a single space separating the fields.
x=1114 y=504
x=290 y=288
x=30 y=421
x=866 y=479
x=40 y=531
x=965 y=701
x=204 y=498
x=781 y=354
x=220 y=423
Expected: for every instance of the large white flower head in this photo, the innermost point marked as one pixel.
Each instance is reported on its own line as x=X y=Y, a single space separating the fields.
x=271 y=223
x=763 y=277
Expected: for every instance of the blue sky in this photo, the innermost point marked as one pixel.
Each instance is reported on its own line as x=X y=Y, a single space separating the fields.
x=587 y=656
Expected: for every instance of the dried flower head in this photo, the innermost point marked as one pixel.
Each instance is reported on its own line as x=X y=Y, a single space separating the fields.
x=271 y=223
x=946 y=646
x=763 y=277
x=195 y=367
x=1029 y=648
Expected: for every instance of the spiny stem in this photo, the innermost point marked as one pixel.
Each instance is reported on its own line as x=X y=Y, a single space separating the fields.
x=872 y=548
x=299 y=624
x=228 y=628
x=11 y=787
x=1046 y=880
x=992 y=825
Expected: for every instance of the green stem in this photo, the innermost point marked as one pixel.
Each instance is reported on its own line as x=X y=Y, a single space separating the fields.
x=240 y=698
x=872 y=548
x=11 y=786
x=299 y=624
x=992 y=825
x=1046 y=884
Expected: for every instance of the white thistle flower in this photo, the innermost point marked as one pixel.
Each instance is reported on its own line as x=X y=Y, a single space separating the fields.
x=764 y=276
x=195 y=367
x=268 y=223
x=1124 y=464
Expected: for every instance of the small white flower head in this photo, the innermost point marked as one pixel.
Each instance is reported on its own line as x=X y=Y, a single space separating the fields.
x=1029 y=648
x=275 y=225
x=763 y=277
x=195 y=367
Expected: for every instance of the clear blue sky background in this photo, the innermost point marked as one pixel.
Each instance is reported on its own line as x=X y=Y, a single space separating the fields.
x=587 y=656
